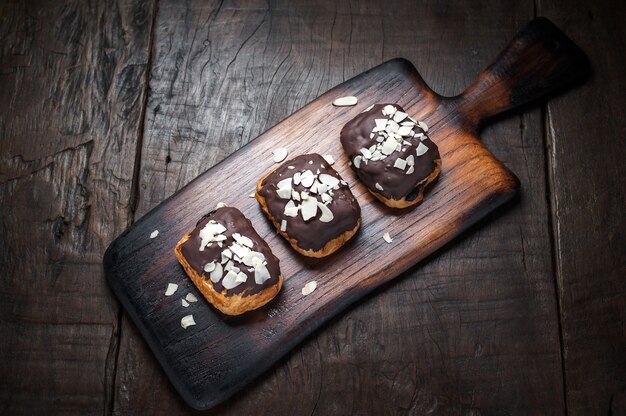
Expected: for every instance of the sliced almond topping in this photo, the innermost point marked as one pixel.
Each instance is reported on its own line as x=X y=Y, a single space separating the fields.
x=291 y=210
x=171 y=289
x=423 y=126
x=243 y=240
x=387 y=238
x=380 y=188
x=327 y=214
x=392 y=126
x=184 y=303
x=366 y=153
x=248 y=259
x=309 y=288
x=381 y=123
x=368 y=109
x=154 y=234
x=291 y=167
x=191 y=298
x=283 y=226
x=261 y=274
x=400 y=163
x=330 y=180
x=217 y=273
x=326 y=198
x=389 y=146
x=187 y=321
x=284 y=184
x=357 y=161
x=405 y=131
x=304 y=195
x=280 y=154
x=209 y=267
x=350 y=100
x=410 y=160
x=296 y=178
x=241 y=277
x=399 y=116
x=308 y=208
x=421 y=149
x=230 y=280
x=407 y=123
x=389 y=110
x=295 y=195
x=410 y=170
x=329 y=159
x=321 y=188
x=307 y=178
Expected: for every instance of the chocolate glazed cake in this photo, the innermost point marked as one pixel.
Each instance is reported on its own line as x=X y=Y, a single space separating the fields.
x=391 y=154
x=229 y=262
x=310 y=205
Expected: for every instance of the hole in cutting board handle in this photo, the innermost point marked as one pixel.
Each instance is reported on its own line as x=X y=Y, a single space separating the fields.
x=540 y=61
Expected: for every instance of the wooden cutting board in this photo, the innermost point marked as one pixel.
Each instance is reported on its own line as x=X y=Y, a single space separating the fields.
x=213 y=360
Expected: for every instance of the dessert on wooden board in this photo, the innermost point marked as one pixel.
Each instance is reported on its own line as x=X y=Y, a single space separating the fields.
x=310 y=205
x=229 y=262
x=391 y=154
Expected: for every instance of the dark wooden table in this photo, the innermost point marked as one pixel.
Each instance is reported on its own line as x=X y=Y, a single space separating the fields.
x=108 y=107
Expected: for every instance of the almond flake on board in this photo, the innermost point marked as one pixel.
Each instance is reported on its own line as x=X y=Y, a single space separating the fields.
x=387 y=238
x=280 y=153
x=187 y=321
x=184 y=303
x=329 y=159
x=309 y=288
x=380 y=188
x=171 y=289
x=154 y=234
x=191 y=298
x=347 y=101
x=423 y=126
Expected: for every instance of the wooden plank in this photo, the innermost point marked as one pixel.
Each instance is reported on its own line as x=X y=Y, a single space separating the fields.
x=71 y=91
x=586 y=154
x=479 y=318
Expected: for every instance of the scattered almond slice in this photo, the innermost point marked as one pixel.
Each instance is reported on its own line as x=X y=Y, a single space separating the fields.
x=171 y=289
x=410 y=160
x=280 y=153
x=357 y=161
x=380 y=188
x=184 y=303
x=217 y=273
x=220 y=205
x=308 y=208
x=209 y=267
x=381 y=123
x=410 y=170
x=296 y=178
x=283 y=226
x=295 y=195
x=387 y=238
x=154 y=234
x=307 y=178
x=251 y=195
x=230 y=280
x=187 y=321
x=191 y=298
x=405 y=131
x=329 y=180
x=399 y=116
x=366 y=153
x=284 y=184
x=423 y=126
x=329 y=159
x=347 y=101
x=327 y=214
x=400 y=164
x=421 y=149
x=291 y=209
x=368 y=109
x=389 y=146
x=389 y=110
x=309 y=288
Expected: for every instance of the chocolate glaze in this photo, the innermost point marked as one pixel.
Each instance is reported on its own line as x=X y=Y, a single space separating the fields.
x=396 y=184
x=312 y=234
x=235 y=222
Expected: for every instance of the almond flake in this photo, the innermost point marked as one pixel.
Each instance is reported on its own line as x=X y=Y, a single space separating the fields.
x=304 y=195
x=348 y=101
x=184 y=303
x=249 y=258
x=387 y=238
x=217 y=273
x=380 y=188
x=410 y=160
x=410 y=170
x=399 y=116
x=368 y=109
x=392 y=126
x=381 y=123
x=296 y=178
x=220 y=205
x=280 y=154
x=284 y=184
x=326 y=198
x=407 y=123
x=291 y=167
x=322 y=188
x=423 y=126
x=329 y=180
x=295 y=195
x=389 y=110
x=251 y=195
x=389 y=146
x=154 y=234
x=327 y=214
x=366 y=153
x=421 y=149
x=283 y=226
x=261 y=274
x=400 y=164
x=308 y=208
x=241 y=277
x=291 y=210
x=357 y=161
x=187 y=321
x=307 y=178
x=230 y=280
x=191 y=298
x=376 y=156
x=209 y=267
x=243 y=240
x=171 y=289
x=309 y=288
x=405 y=131
x=310 y=162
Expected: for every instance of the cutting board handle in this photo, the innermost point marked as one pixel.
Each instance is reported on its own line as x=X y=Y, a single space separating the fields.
x=540 y=60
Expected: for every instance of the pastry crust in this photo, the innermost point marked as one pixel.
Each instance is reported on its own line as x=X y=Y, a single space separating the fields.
x=330 y=247
x=235 y=304
x=419 y=188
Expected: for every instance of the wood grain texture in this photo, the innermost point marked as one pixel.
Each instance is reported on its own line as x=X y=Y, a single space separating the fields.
x=222 y=166
x=587 y=156
x=71 y=94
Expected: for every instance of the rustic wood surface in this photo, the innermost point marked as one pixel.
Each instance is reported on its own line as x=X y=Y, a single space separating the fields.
x=523 y=315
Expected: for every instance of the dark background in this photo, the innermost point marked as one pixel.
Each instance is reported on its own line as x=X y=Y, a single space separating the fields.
x=109 y=107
